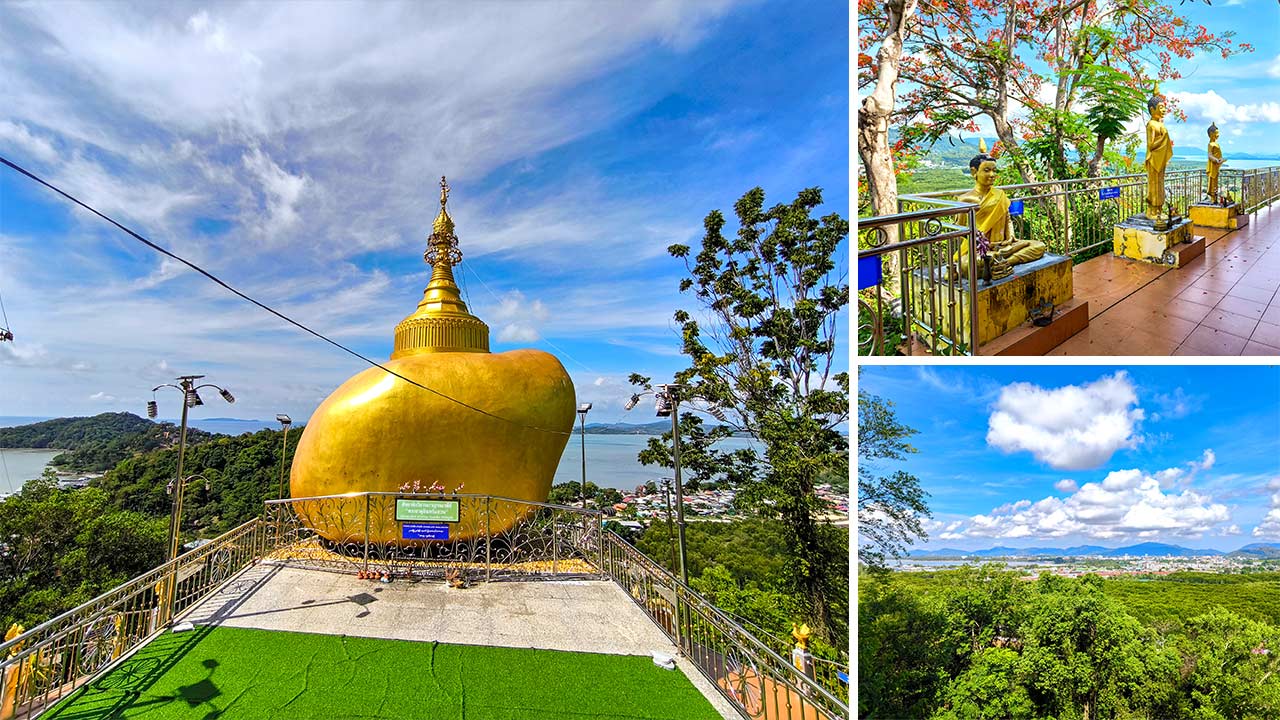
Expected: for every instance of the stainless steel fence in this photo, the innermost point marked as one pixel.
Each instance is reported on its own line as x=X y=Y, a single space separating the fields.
x=494 y=537
x=918 y=310
x=48 y=662
x=1253 y=189
x=757 y=681
x=914 y=250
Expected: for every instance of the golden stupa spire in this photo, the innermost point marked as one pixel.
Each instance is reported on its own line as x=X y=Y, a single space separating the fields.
x=982 y=146
x=441 y=323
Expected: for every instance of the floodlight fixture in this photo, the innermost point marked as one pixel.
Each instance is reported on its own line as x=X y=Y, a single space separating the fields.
x=584 y=407
x=284 y=420
x=632 y=402
x=226 y=395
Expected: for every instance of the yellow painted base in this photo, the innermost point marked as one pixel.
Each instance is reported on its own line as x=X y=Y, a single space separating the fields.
x=1218 y=216
x=1002 y=306
x=1143 y=243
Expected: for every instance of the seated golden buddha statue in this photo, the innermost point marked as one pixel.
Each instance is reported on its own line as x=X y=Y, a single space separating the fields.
x=992 y=219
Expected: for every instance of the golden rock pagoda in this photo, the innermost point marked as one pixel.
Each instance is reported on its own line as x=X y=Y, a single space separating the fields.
x=476 y=422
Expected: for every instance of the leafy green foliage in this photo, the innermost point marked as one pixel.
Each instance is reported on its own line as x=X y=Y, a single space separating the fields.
x=889 y=506
x=701 y=465
x=771 y=298
x=64 y=547
x=983 y=643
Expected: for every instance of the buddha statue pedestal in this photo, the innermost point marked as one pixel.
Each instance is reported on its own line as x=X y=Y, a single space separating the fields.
x=1034 y=287
x=1137 y=239
x=1212 y=215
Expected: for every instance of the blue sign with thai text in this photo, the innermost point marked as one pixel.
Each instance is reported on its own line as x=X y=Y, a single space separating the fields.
x=424 y=531
x=869 y=272
x=1015 y=207
x=1108 y=193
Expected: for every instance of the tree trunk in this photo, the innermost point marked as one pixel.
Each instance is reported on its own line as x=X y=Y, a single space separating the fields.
x=873 y=126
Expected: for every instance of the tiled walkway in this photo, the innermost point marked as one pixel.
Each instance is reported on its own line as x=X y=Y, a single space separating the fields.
x=1223 y=303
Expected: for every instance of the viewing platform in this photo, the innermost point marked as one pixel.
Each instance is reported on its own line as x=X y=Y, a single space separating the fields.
x=308 y=612
x=1213 y=295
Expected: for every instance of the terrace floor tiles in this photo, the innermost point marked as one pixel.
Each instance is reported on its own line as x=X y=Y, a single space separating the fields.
x=1208 y=341
x=1239 y=325
x=1255 y=348
x=1187 y=310
x=1267 y=334
x=1171 y=327
x=1261 y=295
x=1199 y=296
x=1242 y=306
x=1144 y=342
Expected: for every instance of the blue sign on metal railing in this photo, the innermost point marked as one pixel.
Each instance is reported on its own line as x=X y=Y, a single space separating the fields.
x=424 y=531
x=869 y=272
x=1015 y=207
x=1109 y=193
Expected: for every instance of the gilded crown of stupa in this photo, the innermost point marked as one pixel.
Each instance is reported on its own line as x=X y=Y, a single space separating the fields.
x=442 y=322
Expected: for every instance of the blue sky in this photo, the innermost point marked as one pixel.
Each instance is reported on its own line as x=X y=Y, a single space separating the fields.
x=295 y=149
x=1061 y=455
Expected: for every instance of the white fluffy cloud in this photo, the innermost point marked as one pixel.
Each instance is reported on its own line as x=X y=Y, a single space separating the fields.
x=1270 y=525
x=1127 y=504
x=1211 y=106
x=1077 y=427
x=519 y=319
x=1066 y=485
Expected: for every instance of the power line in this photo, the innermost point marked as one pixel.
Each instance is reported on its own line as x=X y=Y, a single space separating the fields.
x=543 y=337
x=278 y=314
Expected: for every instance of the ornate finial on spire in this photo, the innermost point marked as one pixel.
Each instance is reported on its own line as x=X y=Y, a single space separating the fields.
x=442 y=322
x=443 y=244
x=982 y=145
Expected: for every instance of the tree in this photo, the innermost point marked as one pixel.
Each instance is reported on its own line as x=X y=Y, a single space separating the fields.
x=765 y=351
x=876 y=111
x=964 y=59
x=889 y=506
x=700 y=464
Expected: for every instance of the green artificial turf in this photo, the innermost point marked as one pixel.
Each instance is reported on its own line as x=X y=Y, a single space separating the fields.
x=229 y=673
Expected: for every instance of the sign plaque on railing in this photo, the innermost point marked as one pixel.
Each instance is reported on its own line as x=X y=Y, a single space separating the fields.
x=1108 y=193
x=424 y=531
x=869 y=272
x=1015 y=207
x=426 y=510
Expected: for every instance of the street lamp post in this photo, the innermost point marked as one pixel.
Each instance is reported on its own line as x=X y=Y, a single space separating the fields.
x=582 y=415
x=284 y=446
x=190 y=399
x=667 y=402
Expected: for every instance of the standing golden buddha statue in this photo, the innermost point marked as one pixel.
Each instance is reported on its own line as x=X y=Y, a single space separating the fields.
x=1159 y=152
x=992 y=219
x=1214 y=163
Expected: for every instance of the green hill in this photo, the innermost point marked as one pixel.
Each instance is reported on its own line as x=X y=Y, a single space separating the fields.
x=98 y=443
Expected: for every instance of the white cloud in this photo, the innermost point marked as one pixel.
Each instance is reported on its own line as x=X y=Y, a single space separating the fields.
x=1068 y=428
x=1066 y=486
x=102 y=397
x=1270 y=525
x=1209 y=105
x=38 y=146
x=1126 y=504
x=1273 y=70
x=519 y=319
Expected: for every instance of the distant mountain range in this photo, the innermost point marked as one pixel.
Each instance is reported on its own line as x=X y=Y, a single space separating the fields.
x=1150 y=549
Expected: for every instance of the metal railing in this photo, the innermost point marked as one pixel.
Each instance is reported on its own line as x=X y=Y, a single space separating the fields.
x=53 y=659
x=1253 y=189
x=757 y=681
x=1070 y=217
x=493 y=538
x=916 y=249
